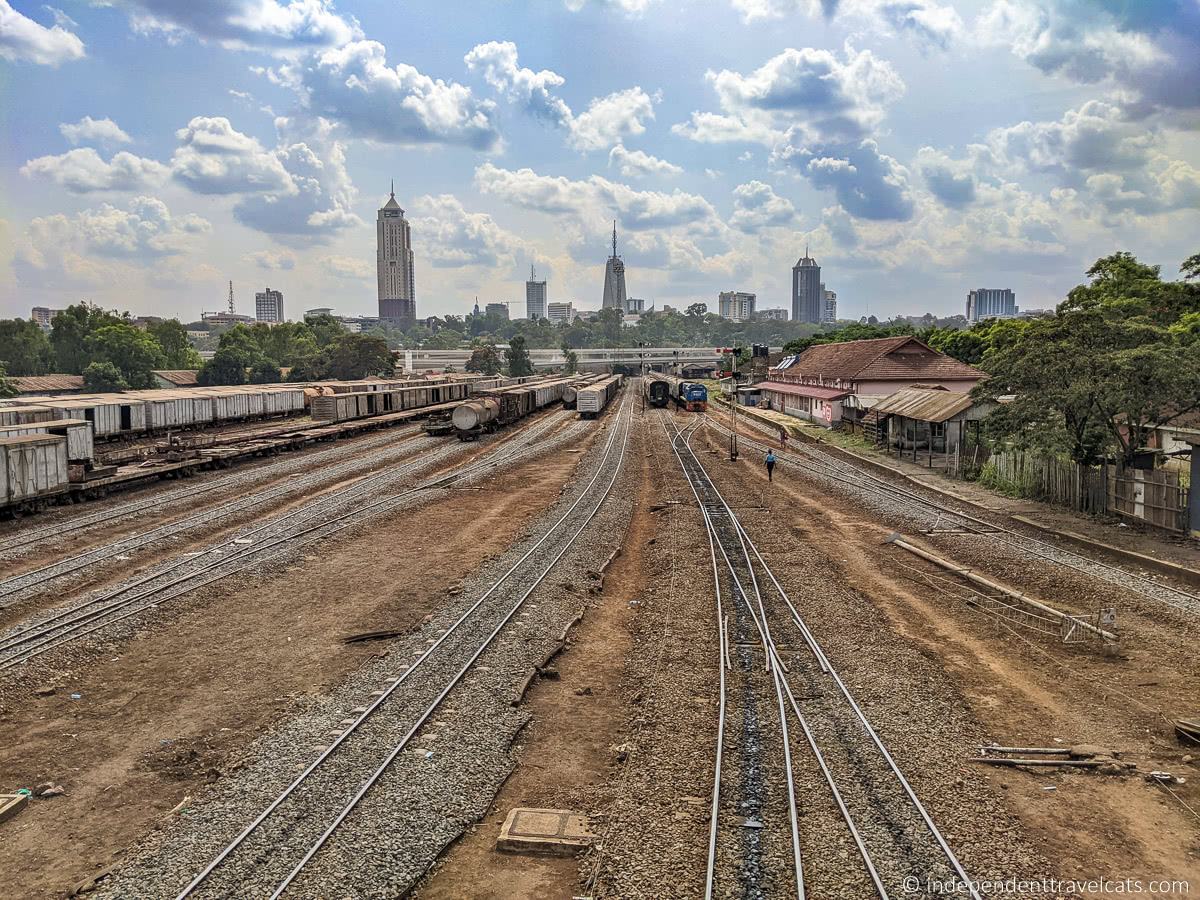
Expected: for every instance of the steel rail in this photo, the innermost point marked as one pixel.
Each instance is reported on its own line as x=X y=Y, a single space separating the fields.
x=714 y=540
x=42 y=630
x=861 y=716
x=837 y=468
x=133 y=506
x=229 y=849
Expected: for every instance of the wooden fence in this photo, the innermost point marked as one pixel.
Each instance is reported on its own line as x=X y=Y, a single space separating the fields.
x=1155 y=497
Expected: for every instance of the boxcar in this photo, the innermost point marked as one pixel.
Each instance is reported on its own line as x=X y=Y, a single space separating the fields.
x=32 y=467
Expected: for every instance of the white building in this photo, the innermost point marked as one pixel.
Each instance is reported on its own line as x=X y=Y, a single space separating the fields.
x=44 y=316
x=560 y=312
x=737 y=306
x=268 y=306
x=394 y=264
x=828 y=306
x=774 y=315
x=535 y=297
x=991 y=303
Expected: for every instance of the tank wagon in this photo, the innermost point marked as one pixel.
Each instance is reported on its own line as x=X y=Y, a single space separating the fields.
x=595 y=397
x=656 y=389
x=688 y=394
x=503 y=406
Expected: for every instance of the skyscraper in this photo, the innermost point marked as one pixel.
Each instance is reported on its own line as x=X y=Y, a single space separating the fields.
x=614 y=278
x=535 y=297
x=829 y=308
x=268 y=306
x=394 y=263
x=991 y=303
x=808 y=295
x=736 y=305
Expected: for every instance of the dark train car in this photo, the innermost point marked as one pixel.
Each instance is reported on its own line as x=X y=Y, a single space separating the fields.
x=658 y=392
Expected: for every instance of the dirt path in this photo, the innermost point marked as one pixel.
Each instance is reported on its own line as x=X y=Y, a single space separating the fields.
x=170 y=710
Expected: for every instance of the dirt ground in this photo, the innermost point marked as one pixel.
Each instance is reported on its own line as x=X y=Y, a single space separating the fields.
x=168 y=712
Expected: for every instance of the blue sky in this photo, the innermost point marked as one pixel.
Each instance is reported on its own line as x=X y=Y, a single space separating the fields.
x=154 y=149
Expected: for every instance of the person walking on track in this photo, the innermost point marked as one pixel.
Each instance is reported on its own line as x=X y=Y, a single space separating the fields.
x=770 y=465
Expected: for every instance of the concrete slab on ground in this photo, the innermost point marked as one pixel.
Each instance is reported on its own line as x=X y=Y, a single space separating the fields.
x=11 y=804
x=531 y=830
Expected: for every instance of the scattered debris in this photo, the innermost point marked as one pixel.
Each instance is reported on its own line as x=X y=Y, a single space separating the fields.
x=372 y=636
x=583 y=691
x=49 y=789
x=527 y=830
x=45 y=691
x=1188 y=729
x=11 y=804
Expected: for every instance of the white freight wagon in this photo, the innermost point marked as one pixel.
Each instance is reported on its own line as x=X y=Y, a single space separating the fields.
x=81 y=446
x=32 y=466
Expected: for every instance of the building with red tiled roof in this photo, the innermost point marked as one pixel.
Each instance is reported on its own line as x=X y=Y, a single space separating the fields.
x=829 y=380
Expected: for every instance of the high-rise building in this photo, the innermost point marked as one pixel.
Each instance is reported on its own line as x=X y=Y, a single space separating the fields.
x=560 y=312
x=738 y=306
x=828 y=306
x=394 y=264
x=807 y=291
x=535 y=297
x=44 y=316
x=496 y=309
x=268 y=306
x=614 y=278
x=991 y=303
x=635 y=306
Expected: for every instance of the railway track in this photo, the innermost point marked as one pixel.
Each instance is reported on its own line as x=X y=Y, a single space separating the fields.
x=894 y=835
x=283 y=848
x=16 y=587
x=318 y=519
x=131 y=508
x=826 y=465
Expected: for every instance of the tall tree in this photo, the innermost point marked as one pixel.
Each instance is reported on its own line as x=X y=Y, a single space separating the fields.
x=70 y=332
x=7 y=388
x=354 y=356
x=134 y=352
x=572 y=359
x=172 y=338
x=24 y=347
x=484 y=360
x=228 y=366
x=103 y=377
x=516 y=358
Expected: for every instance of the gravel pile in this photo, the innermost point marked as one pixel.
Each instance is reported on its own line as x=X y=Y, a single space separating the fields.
x=107 y=616
x=448 y=773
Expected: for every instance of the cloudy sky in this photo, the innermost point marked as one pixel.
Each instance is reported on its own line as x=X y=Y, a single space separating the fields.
x=155 y=149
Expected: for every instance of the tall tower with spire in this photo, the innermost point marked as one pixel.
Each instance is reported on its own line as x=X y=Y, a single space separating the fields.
x=394 y=264
x=614 y=277
x=808 y=294
x=535 y=297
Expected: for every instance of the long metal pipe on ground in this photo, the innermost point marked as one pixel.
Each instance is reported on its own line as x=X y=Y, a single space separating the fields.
x=993 y=586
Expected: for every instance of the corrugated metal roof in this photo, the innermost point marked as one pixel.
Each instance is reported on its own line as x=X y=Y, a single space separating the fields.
x=32 y=384
x=804 y=390
x=881 y=358
x=179 y=377
x=924 y=404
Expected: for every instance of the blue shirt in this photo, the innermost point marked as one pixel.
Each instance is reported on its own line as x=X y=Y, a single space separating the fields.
x=770 y=457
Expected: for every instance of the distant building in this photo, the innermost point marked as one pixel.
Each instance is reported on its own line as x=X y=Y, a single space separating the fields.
x=828 y=306
x=535 y=297
x=808 y=299
x=44 y=316
x=560 y=312
x=614 y=278
x=394 y=264
x=991 y=303
x=225 y=318
x=737 y=306
x=771 y=315
x=319 y=311
x=268 y=306
x=635 y=306
x=497 y=309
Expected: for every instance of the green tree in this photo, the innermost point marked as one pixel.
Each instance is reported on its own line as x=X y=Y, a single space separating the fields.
x=516 y=358
x=572 y=358
x=697 y=310
x=71 y=331
x=484 y=360
x=7 y=388
x=325 y=329
x=24 y=347
x=228 y=366
x=134 y=352
x=354 y=356
x=265 y=372
x=172 y=339
x=104 y=377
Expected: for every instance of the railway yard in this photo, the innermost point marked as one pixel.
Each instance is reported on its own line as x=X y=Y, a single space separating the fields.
x=338 y=671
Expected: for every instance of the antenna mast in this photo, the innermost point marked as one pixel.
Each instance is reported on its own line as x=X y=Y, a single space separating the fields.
x=614 y=238
x=231 y=298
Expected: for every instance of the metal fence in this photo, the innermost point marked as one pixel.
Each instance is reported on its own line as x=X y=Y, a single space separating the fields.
x=1152 y=496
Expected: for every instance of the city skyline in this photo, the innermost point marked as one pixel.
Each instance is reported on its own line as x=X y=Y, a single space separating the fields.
x=515 y=142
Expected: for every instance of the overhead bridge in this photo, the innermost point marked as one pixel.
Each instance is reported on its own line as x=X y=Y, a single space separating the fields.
x=590 y=359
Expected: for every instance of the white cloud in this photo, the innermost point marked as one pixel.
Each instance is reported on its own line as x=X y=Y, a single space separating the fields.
x=631 y=8
x=608 y=120
x=264 y=24
x=453 y=238
x=24 y=40
x=215 y=158
x=351 y=268
x=497 y=60
x=557 y=195
x=83 y=171
x=355 y=87
x=757 y=206
x=637 y=164
x=930 y=23
x=104 y=131
x=272 y=260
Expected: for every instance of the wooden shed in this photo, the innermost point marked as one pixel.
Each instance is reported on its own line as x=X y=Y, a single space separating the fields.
x=924 y=421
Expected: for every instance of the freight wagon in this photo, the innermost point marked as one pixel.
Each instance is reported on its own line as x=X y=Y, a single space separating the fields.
x=595 y=397
x=78 y=434
x=343 y=407
x=503 y=406
x=658 y=392
x=688 y=394
x=33 y=469
x=572 y=389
